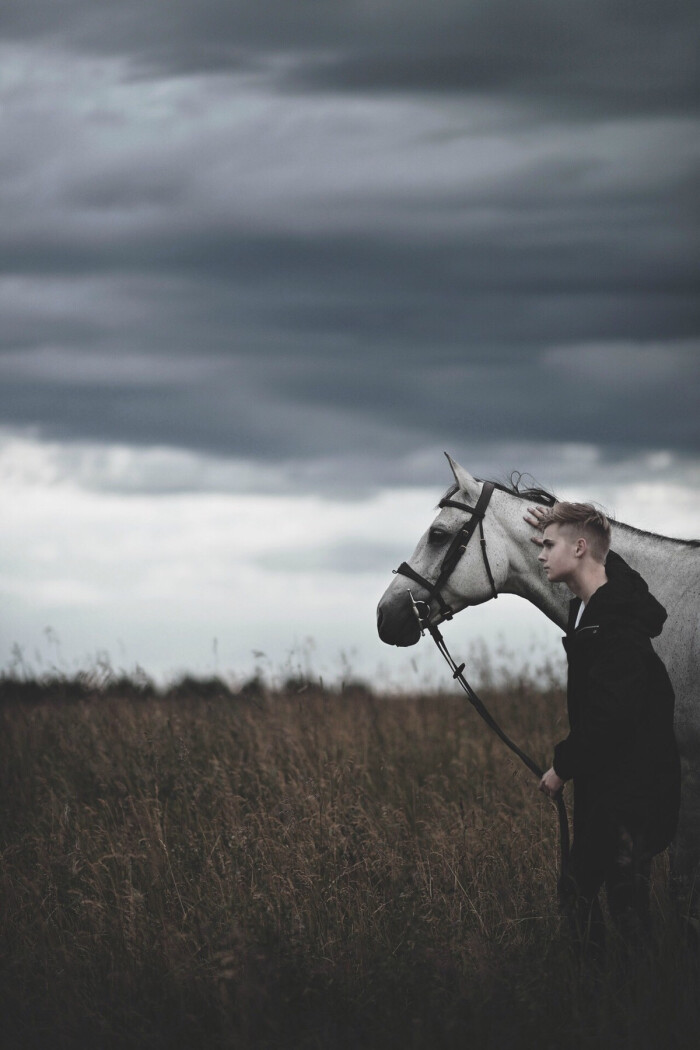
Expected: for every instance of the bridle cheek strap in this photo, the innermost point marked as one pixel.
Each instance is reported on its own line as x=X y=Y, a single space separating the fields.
x=405 y=569
x=454 y=552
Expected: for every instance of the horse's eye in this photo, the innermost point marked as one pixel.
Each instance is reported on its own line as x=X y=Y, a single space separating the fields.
x=437 y=536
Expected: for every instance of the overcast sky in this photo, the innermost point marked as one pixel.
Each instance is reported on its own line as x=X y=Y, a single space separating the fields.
x=261 y=262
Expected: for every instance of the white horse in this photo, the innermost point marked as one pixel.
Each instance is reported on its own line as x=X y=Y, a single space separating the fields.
x=670 y=567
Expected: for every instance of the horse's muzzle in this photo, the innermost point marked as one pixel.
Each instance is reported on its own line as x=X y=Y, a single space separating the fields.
x=397 y=623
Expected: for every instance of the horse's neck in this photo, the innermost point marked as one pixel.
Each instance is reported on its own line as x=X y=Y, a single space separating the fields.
x=671 y=569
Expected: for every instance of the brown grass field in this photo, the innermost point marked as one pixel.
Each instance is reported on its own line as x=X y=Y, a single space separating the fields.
x=314 y=869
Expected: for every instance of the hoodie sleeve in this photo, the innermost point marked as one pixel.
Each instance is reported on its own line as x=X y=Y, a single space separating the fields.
x=565 y=758
x=610 y=712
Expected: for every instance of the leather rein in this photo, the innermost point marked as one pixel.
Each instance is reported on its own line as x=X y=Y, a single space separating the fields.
x=452 y=556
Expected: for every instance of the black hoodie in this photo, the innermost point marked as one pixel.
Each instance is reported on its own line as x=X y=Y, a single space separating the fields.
x=621 y=750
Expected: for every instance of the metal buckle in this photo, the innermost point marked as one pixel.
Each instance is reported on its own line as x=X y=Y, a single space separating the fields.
x=422 y=620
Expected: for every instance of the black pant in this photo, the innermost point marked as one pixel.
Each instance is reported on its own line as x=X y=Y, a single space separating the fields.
x=610 y=852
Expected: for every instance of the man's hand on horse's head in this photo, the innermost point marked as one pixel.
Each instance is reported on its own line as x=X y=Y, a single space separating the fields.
x=536 y=517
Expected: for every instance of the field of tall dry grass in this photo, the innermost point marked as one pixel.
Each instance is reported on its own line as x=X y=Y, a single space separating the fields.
x=313 y=869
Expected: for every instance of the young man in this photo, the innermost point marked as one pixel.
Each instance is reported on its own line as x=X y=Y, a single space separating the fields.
x=621 y=751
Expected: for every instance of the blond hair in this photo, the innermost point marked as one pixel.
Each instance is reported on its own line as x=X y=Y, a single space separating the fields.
x=588 y=520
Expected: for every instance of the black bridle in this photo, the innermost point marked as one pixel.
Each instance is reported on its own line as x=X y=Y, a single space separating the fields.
x=452 y=555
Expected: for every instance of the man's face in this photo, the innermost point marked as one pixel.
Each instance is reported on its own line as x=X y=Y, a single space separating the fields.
x=558 y=555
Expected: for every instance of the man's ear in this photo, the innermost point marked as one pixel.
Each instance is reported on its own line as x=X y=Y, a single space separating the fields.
x=581 y=546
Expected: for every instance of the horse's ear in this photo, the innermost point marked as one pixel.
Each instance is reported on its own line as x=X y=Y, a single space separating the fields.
x=465 y=481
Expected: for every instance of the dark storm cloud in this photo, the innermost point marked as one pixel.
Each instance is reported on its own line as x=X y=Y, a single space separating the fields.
x=585 y=59
x=600 y=56
x=349 y=234
x=308 y=408
x=278 y=348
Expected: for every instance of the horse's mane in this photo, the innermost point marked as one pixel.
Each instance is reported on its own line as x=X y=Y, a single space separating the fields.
x=517 y=485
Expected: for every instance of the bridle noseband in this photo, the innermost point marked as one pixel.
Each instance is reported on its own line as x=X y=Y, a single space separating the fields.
x=452 y=555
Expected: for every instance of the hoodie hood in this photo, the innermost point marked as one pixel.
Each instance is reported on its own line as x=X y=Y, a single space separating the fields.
x=626 y=596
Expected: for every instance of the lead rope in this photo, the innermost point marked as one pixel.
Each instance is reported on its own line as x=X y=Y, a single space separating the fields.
x=480 y=708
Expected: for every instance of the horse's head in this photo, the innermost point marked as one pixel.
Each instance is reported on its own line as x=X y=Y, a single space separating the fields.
x=467 y=575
